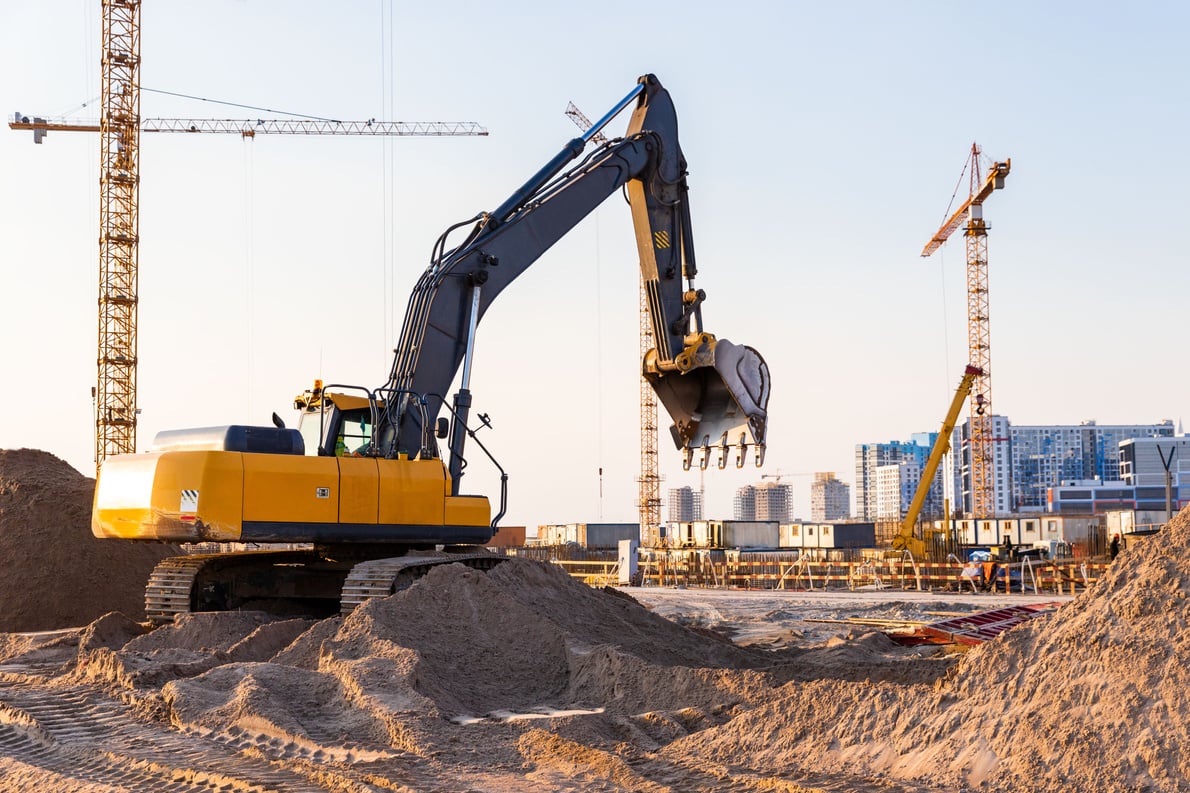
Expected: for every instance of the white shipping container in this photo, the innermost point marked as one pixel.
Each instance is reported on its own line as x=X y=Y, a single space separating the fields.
x=790 y=535
x=588 y=535
x=727 y=534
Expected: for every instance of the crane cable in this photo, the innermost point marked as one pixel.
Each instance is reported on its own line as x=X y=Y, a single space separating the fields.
x=236 y=104
x=599 y=361
x=388 y=181
x=954 y=195
x=249 y=257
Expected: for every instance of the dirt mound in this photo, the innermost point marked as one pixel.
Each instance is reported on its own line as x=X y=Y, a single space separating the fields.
x=1095 y=697
x=592 y=617
x=192 y=645
x=280 y=701
x=475 y=649
x=460 y=650
x=520 y=637
x=53 y=573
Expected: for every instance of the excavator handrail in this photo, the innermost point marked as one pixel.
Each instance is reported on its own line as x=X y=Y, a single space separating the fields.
x=472 y=435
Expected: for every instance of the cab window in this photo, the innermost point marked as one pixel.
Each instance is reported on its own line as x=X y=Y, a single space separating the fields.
x=310 y=428
x=355 y=432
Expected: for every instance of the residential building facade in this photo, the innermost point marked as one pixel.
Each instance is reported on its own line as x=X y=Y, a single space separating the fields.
x=685 y=504
x=830 y=498
x=1029 y=461
x=872 y=498
x=768 y=501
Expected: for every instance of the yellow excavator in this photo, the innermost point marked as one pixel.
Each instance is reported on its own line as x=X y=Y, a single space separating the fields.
x=906 y=538
x=361 y=486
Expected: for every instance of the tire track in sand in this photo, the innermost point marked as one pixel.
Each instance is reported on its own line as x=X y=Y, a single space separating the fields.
x=80 y=733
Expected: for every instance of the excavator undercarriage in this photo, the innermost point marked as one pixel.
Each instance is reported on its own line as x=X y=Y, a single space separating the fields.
x=313 y=582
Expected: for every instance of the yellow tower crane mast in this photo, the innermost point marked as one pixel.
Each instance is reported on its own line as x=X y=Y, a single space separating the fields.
x=119 y=128
x=982 y=461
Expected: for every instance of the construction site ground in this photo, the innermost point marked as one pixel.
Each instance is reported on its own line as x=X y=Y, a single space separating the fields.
x=523 y=679
x=776 y=618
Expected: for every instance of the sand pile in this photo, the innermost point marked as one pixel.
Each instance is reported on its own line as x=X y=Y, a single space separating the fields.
x=521 y=679
x=462 y=647
x=1094 y=698
x=53 y=572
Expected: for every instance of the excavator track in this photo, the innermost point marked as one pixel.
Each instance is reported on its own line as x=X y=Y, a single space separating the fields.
x=251 y=579
x=181 y=584
x=380 y=578
x=168 y=592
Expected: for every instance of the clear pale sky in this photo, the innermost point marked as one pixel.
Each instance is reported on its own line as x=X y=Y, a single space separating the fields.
x=824 y=143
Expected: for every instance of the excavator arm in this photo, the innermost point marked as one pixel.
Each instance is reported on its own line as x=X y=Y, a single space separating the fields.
x=715 y=392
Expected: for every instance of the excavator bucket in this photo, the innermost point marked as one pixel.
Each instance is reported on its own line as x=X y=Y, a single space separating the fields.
x=718 y=399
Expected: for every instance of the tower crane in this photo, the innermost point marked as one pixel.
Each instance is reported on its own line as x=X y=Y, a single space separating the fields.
x=983 y=484
x=119 y=129
x=779 y=475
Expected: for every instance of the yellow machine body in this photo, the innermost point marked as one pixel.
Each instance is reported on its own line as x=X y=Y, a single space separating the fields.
x=207 y=495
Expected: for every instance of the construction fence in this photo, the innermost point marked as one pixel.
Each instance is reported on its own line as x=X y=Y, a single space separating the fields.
x=779 y=570
x=1063 y=576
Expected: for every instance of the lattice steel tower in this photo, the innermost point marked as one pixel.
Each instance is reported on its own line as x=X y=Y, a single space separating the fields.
x=649 y=482
x=119 y=182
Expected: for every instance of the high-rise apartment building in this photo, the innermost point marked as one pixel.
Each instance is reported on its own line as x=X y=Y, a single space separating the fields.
x=743 y=504
x=959 y=482
x=830 y=499
x=685 y=504
x=1143 y=461
x=1029 y=460
x=766 y=501
x=871 y=456
x=896 y=485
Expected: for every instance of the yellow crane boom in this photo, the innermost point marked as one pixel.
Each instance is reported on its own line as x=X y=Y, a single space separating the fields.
x=905 y=539
x=994 y=181
x=251 y=127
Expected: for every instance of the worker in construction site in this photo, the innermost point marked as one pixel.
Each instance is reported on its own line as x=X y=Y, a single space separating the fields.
x=971 y=571
x=1113 y=550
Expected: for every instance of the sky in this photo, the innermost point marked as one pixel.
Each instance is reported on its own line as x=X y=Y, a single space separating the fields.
x=824 y=140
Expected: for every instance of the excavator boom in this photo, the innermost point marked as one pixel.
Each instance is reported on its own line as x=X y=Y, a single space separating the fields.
x=716 y=392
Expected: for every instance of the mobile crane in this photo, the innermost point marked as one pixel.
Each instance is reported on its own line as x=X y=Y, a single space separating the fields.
x=905 y=538
x=361 y=481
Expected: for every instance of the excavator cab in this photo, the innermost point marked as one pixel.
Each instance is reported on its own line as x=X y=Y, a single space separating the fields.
x=335 y=424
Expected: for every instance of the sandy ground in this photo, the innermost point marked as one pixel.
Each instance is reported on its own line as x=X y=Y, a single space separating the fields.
x=776 y=619
x=528 y=682
x=522 y=679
